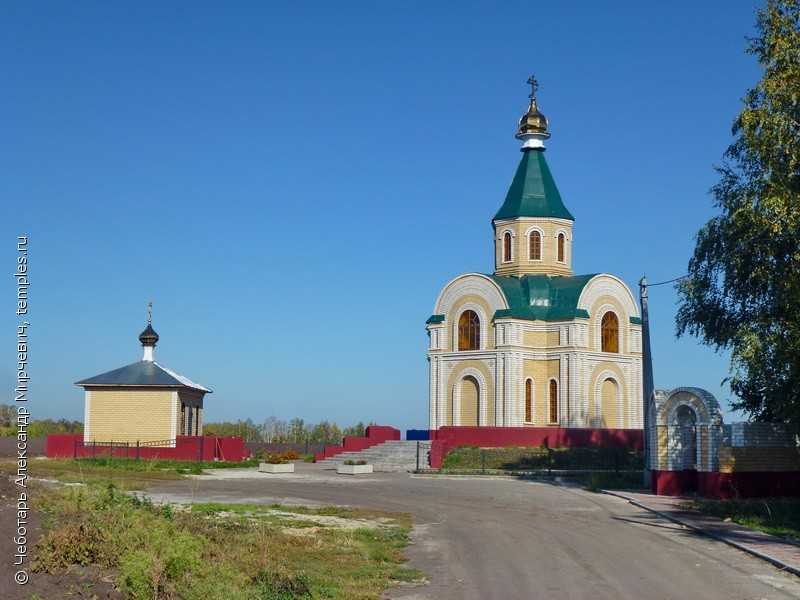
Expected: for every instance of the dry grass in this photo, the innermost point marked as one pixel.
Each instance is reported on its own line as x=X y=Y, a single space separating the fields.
x=214 y=551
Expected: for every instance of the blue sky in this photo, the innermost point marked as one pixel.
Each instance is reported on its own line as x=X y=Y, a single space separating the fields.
x=294 y=183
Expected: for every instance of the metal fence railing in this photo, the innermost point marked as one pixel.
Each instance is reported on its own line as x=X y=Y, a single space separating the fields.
x=615 y=459
x=182 y=449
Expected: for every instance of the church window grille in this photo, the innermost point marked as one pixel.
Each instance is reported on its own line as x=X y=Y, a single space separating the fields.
x=469 y=331
x=535 y=246
x=553 y=401
x=609 y=327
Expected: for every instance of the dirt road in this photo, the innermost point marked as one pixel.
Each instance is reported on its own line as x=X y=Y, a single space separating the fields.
x=503 y=538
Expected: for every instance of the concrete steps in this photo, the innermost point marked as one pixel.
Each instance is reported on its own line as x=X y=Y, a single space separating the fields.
x=389 y=456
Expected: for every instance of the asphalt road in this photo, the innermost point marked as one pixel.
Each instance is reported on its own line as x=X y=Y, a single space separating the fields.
x=511 y=539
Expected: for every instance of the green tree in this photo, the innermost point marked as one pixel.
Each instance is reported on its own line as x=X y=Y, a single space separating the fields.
x=357 y=430
x=247 y=430
x=334 y=435
x=37 y=427
x=8 y=415
x=48 y=426
x=320 y=433
x=273 y=430
x=297 y=433
x=742 y=291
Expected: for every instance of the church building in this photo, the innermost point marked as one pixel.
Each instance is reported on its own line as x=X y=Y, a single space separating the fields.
x=533 y=344
x=142 y=402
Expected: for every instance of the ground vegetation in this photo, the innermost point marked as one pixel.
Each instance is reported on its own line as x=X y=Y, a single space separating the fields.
x=98 y=537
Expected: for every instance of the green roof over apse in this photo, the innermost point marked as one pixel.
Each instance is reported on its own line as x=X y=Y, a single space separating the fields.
x=542 y=297
x=533 y=192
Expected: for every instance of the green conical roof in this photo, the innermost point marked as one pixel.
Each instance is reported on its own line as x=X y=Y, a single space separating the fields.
x=533 y=192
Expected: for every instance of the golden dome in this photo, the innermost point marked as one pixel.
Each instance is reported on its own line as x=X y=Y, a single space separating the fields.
x=533 y=121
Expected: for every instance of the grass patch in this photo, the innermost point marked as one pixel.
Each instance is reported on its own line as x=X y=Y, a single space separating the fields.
x=227 y=552
x=776 y=516
x=126 y=473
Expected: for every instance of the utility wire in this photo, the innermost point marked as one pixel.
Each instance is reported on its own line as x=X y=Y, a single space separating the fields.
x=666 y=282
x=724 y=258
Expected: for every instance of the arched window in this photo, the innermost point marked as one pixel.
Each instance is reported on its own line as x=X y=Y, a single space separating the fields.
x=553 y=401
x=507 y=247
x=469 y=331
x=561 y=247
x=528 y=400
x=609 y=328
x=535 y=246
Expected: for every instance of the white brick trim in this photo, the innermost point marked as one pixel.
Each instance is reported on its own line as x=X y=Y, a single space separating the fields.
x=608 y=285
x=471 y=283
x=87 y=421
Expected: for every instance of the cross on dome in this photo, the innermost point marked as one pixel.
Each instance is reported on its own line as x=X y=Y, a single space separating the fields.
x=534 y=87
x=532 y=129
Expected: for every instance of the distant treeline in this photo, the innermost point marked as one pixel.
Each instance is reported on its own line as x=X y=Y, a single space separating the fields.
x=274 y=430
x=8 y=424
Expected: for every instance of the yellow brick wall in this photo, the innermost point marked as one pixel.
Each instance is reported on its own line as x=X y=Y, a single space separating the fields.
x=541 y=371
x=520 y=264
x=663 y=447
x=130 y=414
x=754 y=458
x=541 y=339
x=469 y=401
x=534 y=339
x=553 y=339
x=608 y=404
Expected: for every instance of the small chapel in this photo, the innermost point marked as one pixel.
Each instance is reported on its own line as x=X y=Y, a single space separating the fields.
x=532 y=344
x=143 y=402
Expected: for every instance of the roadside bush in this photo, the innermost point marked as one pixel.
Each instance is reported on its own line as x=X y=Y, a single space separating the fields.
x=274 y=457
x=72 y=544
